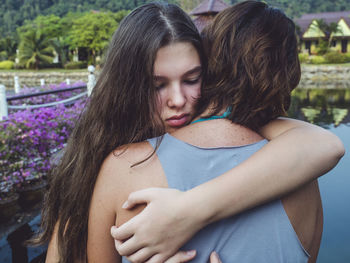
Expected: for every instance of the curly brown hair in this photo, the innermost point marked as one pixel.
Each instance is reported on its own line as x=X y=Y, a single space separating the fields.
x=253 y=63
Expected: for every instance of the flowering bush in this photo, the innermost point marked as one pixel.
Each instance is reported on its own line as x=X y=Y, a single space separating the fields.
x=28 y=138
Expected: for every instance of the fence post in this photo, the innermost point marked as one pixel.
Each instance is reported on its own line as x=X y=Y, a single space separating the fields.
x=17 y=57
x=91 y=79
x=17 y=87
x=3 y=103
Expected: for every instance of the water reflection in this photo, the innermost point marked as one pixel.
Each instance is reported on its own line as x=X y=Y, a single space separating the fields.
x=330 y=108
x=321 y=106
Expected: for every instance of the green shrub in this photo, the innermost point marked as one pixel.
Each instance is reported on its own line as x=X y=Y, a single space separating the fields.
x=317 y=60
x=50 y=65
x=76 y=65
x=7 y=64
x=334 y=57
x=347 y=57
x=322 y=47
x=303 y=57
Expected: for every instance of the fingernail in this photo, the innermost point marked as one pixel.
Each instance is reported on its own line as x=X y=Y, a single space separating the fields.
x=113 y=230
x=125 y=205
x=191 y=252
x=216 y=255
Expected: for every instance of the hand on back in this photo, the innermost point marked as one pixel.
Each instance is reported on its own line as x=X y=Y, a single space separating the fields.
x=157 y=233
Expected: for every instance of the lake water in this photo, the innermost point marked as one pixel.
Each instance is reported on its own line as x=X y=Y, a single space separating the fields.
x=331 y=110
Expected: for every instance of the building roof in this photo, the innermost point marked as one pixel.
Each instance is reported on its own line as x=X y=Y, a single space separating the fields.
x=201 y=22
x=208 y=7
x=329 y=17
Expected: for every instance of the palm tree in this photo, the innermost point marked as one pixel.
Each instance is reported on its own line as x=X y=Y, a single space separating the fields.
x=328 y=29
x=8 y=47
x=60 y=48
x=35 y=49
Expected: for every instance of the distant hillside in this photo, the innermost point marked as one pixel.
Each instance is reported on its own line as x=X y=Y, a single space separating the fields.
x=14 y=12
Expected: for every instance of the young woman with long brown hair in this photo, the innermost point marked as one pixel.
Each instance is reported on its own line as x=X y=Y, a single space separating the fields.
x=133 y=100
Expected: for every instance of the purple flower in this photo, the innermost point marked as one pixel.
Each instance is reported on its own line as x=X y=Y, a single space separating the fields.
x=28 y=138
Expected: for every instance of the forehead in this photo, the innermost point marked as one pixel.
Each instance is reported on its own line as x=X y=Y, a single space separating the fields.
x=176 y=59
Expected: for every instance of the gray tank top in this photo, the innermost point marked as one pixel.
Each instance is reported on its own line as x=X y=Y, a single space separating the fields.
x=262 y=234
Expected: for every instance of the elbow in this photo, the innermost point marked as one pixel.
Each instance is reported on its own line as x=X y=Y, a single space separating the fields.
x=336 y=147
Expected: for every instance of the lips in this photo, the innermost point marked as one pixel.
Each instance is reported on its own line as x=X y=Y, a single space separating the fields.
x=178 y=120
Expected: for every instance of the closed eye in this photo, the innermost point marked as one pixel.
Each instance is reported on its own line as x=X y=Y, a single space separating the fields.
x=192 y=81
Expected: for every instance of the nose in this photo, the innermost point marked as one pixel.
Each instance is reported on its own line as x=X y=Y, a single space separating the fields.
x=177 y=97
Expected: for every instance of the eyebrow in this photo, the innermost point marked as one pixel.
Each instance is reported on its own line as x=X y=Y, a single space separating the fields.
x=197 y=69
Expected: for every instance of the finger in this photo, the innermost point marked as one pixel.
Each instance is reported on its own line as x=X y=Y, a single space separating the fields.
x=141 y=255
x=117 y=243
x=214 y=258
x=128 y=247
x=123 y=232
x=138 y=197
x=182 y=256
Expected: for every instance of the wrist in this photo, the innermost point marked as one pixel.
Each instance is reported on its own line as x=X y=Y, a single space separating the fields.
x=197 y=208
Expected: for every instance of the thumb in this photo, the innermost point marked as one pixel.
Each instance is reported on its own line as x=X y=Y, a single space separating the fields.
x=138 y=197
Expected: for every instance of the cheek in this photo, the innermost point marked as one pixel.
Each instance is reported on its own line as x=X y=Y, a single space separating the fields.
x=193 y=94
x=160 y=101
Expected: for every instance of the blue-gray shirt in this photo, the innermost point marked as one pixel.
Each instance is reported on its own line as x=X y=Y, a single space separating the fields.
x=263 y=234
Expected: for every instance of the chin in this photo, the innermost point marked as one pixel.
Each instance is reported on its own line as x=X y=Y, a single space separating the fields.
x=172 y=129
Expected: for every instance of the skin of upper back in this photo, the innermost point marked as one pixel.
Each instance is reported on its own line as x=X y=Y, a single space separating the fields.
x=117 y=180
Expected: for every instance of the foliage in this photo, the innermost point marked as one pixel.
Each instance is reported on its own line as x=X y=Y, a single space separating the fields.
x=328 y=29
x=76 y=65
x=303 y=57
x=188 y=5
x=317 y=60
x=322 y=47
x=13 y=13
x=49 y=25
x=334 y=57
x=29 y=138
x=93 y=32
x=35 y=49
x=347 y=57
x=8 y=46
x=7 y=64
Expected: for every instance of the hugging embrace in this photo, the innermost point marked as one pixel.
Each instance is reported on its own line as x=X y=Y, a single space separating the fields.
x=184 y=147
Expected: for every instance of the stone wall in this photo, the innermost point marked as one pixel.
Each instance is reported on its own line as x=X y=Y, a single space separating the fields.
x=325 y=77
x=312 y=77
x=32 y=79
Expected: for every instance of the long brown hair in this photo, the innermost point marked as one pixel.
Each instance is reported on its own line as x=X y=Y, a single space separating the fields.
x=122 y=110
x=252 y=63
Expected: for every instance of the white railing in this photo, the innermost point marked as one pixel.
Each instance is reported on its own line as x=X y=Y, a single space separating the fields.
x=4 y=107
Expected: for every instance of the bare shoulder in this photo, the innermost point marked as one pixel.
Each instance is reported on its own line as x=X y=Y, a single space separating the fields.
x=126 y=169
x=120 y=164
x=111 y=189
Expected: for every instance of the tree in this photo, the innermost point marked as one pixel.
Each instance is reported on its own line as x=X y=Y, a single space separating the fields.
x=35 y=49
x=8 y=46
x=92 y=31
x=188 y=5
x=54 y=28
x=328 y=29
